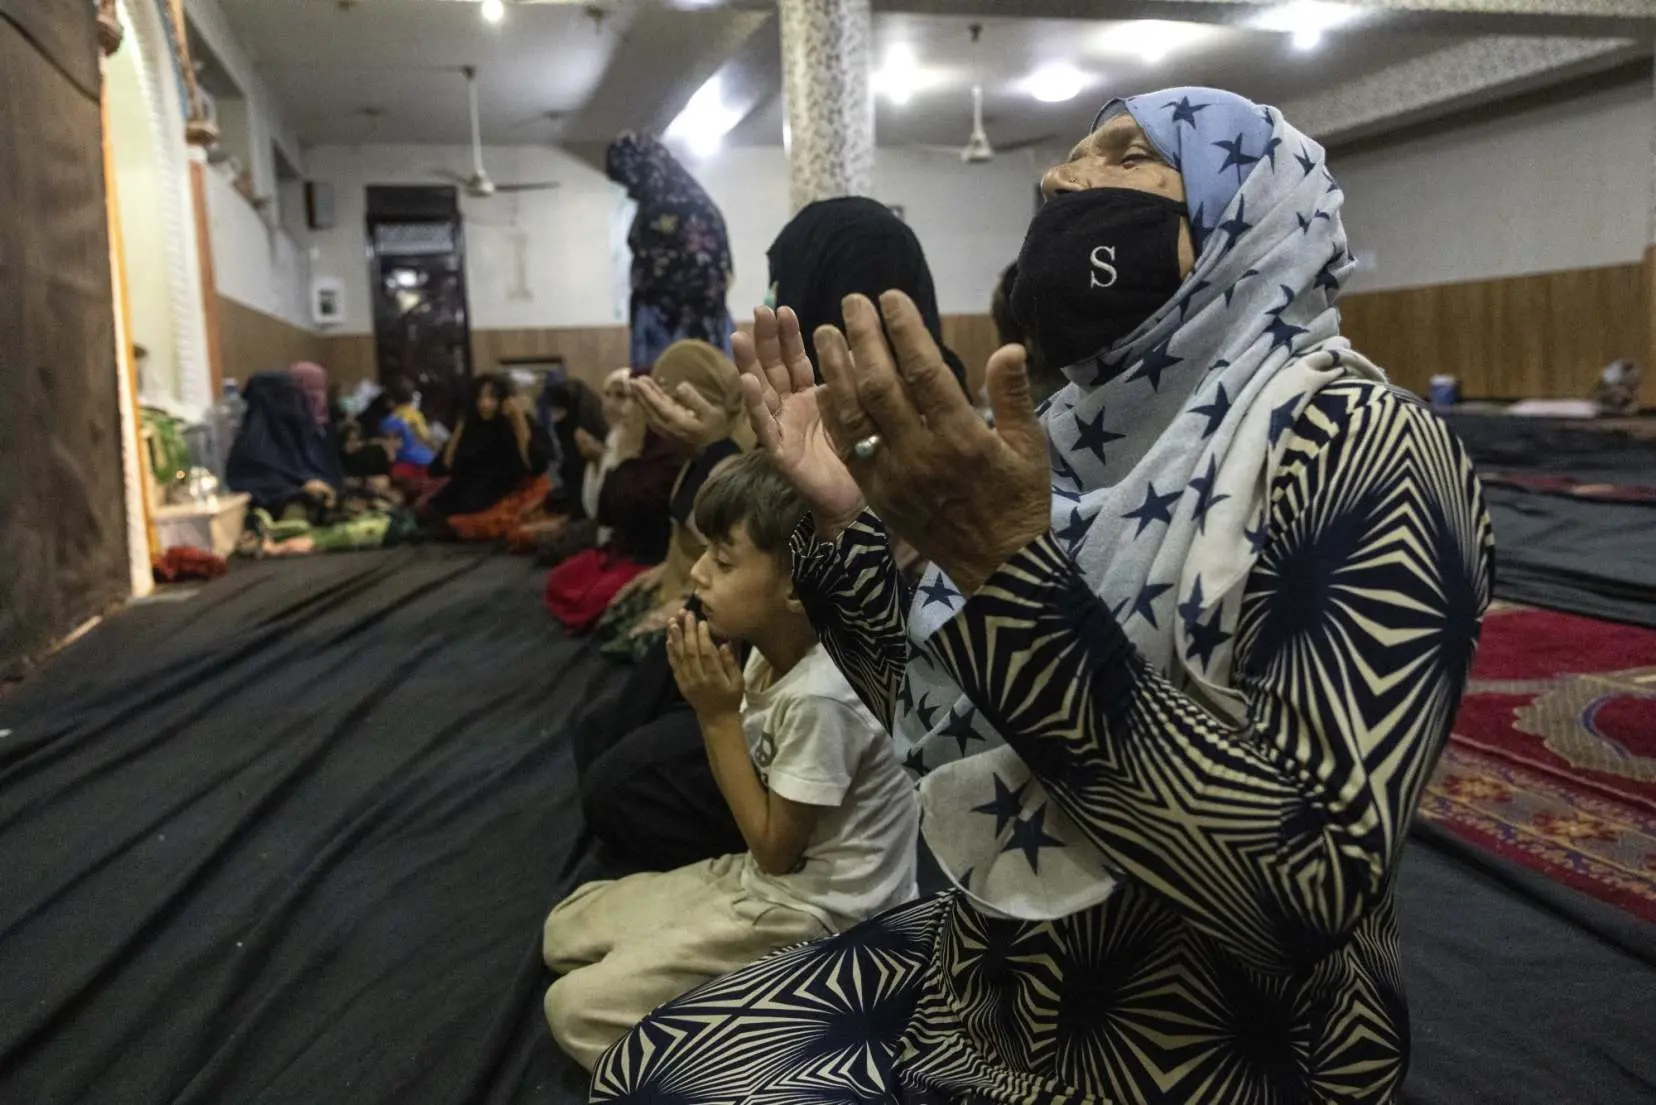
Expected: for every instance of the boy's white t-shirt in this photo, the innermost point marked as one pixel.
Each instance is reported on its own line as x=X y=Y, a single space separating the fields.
x=815 y=743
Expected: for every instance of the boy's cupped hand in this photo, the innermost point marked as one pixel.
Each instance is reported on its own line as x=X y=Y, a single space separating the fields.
x=708 y=675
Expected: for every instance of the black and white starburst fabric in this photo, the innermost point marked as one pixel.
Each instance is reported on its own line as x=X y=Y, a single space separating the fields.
x=1249 y=949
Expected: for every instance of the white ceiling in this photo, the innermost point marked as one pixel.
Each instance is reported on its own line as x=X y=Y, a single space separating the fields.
x=1259 y=64
x=329 y=64
x=387 y=71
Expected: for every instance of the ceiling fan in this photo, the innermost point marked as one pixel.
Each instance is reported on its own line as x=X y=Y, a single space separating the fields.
x=478 y=184
x=978 y=149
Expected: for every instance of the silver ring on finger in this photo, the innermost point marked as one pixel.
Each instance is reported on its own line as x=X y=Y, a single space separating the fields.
x=865 y=448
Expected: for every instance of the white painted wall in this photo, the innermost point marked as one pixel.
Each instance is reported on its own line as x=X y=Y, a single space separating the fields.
x=254 y=263
x=267 y=126
x=970 y=220
x=1563 y=186
x=140 y=189
x=568 y=250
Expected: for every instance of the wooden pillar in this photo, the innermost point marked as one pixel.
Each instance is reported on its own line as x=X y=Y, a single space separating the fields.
x=209 y=278
x=137 y=479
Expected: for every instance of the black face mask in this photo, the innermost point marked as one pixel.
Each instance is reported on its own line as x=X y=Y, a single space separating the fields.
x=1094 y=265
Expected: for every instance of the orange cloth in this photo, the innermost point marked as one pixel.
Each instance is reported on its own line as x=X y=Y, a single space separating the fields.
x=502 y=519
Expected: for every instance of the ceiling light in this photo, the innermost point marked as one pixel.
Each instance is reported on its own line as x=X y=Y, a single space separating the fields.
x=1055 y=83
x=1306 y=21
x=900 y=76
x=494 y=10
x=705 y=120
x=1151 y=40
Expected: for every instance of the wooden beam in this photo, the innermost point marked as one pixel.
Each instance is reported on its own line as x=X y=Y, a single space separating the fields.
x=209 y=278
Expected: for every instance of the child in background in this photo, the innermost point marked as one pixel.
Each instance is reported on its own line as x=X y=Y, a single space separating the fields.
x=407 y=427
x=829 y=817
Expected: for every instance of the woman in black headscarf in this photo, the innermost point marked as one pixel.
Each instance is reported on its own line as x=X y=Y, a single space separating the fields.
x=283 y=454
x=848 y=246
x=578 y=430
x=681 y=265
x=496 y=459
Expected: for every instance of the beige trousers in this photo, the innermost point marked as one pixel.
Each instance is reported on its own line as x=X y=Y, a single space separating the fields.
x=627 y=946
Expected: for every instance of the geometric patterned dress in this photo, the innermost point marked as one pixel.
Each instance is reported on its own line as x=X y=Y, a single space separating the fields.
x=1249 y=953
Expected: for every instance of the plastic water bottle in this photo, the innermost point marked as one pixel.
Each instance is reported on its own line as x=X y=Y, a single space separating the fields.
x=227 y=419
x=1443 y=392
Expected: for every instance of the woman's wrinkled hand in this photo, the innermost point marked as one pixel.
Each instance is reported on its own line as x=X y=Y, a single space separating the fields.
x=780 y=389
x=685 y=416
x=966 y=496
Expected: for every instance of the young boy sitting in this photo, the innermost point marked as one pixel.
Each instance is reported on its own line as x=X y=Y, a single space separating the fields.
x=828 y=816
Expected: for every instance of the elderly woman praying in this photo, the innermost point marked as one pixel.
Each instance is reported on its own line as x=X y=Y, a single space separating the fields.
x=1191 y=643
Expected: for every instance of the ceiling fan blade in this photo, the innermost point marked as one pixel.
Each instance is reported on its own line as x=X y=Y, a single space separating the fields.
x=452 y=176
x=1027 y=143
x=540 y=186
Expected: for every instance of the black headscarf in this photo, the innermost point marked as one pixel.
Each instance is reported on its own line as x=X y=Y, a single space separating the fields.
x=585 y=411
x=279 y=447
x=487 y=465
x=834 y=248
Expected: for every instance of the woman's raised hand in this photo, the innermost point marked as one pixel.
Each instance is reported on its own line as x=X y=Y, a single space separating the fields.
x=685 y=416
x=965 y=496
x=781 y=392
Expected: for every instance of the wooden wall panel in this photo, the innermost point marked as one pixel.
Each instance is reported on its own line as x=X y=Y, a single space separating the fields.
x=973 y=338
x=349 y=359
x=1545 y=335
x=251 y=341
x=1541 y=336
x=591 y=352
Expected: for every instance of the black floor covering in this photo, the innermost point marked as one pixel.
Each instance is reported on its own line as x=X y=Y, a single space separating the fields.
x=1554 y=550
x=291 y=840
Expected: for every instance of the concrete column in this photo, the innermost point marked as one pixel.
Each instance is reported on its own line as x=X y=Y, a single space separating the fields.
x=825 y=82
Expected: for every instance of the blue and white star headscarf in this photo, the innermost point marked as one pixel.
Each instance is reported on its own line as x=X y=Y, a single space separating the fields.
x=1162 y=451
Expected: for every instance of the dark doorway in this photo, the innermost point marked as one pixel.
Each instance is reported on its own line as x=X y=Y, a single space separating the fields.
x=422 y=328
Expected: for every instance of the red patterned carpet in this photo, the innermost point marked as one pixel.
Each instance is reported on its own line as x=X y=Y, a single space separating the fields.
x=1553 y=758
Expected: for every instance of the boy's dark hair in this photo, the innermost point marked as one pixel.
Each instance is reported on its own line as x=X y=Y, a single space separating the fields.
x=401 y=390
x=750 y=490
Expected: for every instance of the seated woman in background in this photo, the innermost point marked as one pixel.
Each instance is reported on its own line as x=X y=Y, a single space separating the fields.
x=623 y=440
x=406 y=425
x=578 y=431
x=631 y=524
x=693 y=400
x=495 y=463
x=284 y=455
